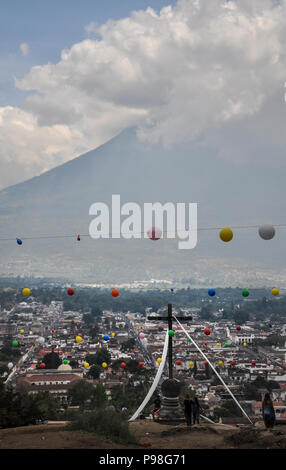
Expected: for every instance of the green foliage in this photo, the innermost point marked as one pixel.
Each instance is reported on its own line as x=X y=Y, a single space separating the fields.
x=128 y=345
x=232 y=408
x=221 y=412
x=100 y=398
x=19 y=408
x=240 y=317
x=106 y=423
x=94 y=372
x=80 y=392
x=52 y=360
x=103 y=355
x=128 y=395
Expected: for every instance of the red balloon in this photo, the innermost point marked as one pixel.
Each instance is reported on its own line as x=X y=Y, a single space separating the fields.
x=233 y=363
x=79 y=334
x=238 y=328
x=253 y=363
x=206 y=363
x=141 y=364
x=78 y=238
x=154 y=233
x=43 y=365
x=123 y=365
x=178 y=363
x=52 y=331
x=114 y=293
x=207 y=331
x=205 y=343
x=70 y=291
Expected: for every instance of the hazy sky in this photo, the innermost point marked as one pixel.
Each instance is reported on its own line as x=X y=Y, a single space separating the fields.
x=74 y=74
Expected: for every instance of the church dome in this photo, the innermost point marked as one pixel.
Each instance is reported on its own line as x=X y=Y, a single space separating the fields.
x=64 y=367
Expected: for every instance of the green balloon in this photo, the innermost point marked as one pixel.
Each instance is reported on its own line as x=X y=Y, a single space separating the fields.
x=65 y=361
x=171 y=333
x=245 y=293
x=15 y=344
x=189 y=340
x=226 y=345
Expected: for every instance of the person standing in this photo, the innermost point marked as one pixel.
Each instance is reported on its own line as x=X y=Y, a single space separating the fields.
x=196 y=411
x=268 y=412
x=188 y=409
x=157 y=406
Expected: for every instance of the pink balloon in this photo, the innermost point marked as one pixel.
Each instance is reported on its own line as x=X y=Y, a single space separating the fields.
x=141 y=335
x=154 y=233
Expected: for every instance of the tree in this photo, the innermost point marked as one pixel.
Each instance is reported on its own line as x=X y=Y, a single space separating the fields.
x=100 y=398
x=52 y=360
x=103 y=355
x=128 y=345
x=96 y=312
x=221 y=412
x=80 y=392
x=94 y=372
x=240 y=317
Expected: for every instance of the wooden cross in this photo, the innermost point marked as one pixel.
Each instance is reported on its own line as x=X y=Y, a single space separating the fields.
x=170 y=344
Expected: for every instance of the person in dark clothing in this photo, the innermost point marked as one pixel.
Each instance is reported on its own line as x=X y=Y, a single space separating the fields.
x=196 y=411
x=268 y=412
x=188 y=409
x=157 y=403
x=157 y=406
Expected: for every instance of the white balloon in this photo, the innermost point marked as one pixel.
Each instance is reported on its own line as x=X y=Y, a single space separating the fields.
x=10 y=365
x=41 y=340
x=266 y=232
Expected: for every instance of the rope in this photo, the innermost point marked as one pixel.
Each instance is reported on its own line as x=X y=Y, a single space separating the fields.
x=106 y=235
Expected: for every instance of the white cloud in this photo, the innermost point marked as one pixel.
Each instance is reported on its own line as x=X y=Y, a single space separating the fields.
x=186 y=72
x=24 y=47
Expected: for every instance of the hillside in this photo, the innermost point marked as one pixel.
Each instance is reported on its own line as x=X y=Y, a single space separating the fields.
x=204 y=436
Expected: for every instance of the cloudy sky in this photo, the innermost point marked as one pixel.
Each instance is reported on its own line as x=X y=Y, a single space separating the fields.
x=74 y=74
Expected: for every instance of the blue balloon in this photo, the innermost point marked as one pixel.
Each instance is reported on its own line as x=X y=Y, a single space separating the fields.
x=19 y=241
x=270 y=325
x=211 y=292
x=172 y=290
x=106 y=338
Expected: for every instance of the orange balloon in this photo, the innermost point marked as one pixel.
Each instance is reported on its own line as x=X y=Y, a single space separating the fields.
x=114 y=293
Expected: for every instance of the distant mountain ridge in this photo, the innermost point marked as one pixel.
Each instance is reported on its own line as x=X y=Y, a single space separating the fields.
x=57 y=203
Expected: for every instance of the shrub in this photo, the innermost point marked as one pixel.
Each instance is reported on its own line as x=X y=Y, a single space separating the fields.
x=106 y=423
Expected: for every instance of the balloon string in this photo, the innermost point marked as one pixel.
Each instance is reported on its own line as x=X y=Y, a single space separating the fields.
x=102 y=235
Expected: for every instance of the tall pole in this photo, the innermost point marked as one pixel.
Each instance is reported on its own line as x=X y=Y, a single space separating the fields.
x=170 y=345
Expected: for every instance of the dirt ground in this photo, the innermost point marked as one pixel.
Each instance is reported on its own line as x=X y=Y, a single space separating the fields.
x=150 y=435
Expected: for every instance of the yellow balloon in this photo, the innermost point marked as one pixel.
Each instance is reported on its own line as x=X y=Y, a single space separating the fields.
x=220 y=363
x=218 y=345
x=226 y=234
x=113 y=334
x=191 y=364
x=86 y=365
x=22 y=332
x=26 y=292
x=244 y=344
x=104 y=365
x=102 y=336
x=78 y=339
x=159 y=360
x=275 y=291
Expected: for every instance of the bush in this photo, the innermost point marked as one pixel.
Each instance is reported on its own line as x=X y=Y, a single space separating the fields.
x=106 y=423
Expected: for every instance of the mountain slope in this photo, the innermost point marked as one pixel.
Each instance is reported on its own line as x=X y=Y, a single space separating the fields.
x=58 y=201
